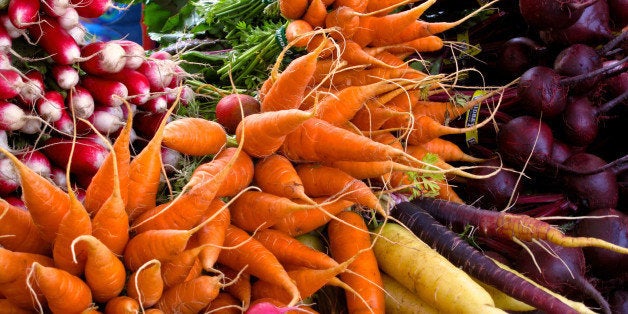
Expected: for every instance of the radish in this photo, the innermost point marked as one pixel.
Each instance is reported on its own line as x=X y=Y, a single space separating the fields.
x=135 y=53
x=65 y=124
x=69 y=19
x=106 y=120
x=13 y=31
x=561 y=269
x=23 y=13
x=156 y=104
x=58 y=177
x=102 y=57
x=65 y=76
x=9 y=179
x=36 y=161
x=136 y=82
x=33 y=87
x=56 y=41
x=6 y=42
x=32 y=126
x=12 y=117
x=170 y=159
x=11 y=83
x=104 y=91
x=93 y=8
x=185 y=93
x=147 y=123
x=159 y=73
x=81 y=102
x=231 y=108
x=79 y=34
x=552 y=14
x=56 y=8
x=87 y=159
x=5 y=61
x=541 y=92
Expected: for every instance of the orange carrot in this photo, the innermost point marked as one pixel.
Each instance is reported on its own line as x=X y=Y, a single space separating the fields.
x=254 y=209
x=315 y=13
x=266 y=131
x=211 y=235
x=240 y=176
x=101 y=186
x=225 y=303
x=304 y=221
x=104 y=272
x=401 y=179
x=355 y=5
x=46 y=202
x=76 y=222
x=122 y=305
x=177 y=269
x=319 y=180
x=298 y=33
x=375 y=113
x=14 y=269
x=237 y=283
x=259 y=262
x=21 y=233
x=196 y=270
x=370 y=75
x=370 y=169
x=287 y=91
x=145 y=171
x=293 y=9
x=341 y=107
x=276 y=175
x=426 y=129
x=448 y=151
x=64 y=292
x=145 y=285
x=346 y=239
x=195 y=136
x=384 y=7
x=312 y=142
x=422 y=44
x=345 y=19
x=289 y=250
x=190 y=296
x=8 y=307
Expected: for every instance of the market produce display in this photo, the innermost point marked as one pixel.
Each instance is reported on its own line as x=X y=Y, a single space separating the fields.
x=323 y=156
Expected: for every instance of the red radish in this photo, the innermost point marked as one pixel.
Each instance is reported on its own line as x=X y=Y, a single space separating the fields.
x=79 y=34
x=11 y=83
x=36 y=161
x=9 y=179
x=15 y=201
x=24 y=13
x=5 y=59
x=82 y=102
x=161 y=55
x=170 y=158
x=50 y=106
x=231 y=108
x=58 y=177
x=57 y=42
x=55 y=8
x=69 y=19
x=136 y=82
x=4 y=140
x=135 y=53
x=102 y=57
x=65 y=124
x=105 y=121
x=12 y=117
x=65 y=76
x=146 y=123
x=185 y=93
x=156 y=104
x=93 y=8
x=87 y=159
x=33 y=87
x=104 y=91
x=159 y=73
x=13 y=31
x=32 y=126
x=6 y=42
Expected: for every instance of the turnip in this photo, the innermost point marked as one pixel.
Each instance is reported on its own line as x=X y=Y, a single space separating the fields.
x=65 y=76
x=541 y=93
x=610 y=225
x=231 y=108
x=561 y=269
x=552 y=14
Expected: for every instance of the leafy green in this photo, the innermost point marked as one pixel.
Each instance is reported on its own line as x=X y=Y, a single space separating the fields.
x=425 y=184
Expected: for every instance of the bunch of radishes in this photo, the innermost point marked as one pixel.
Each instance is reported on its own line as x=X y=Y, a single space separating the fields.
x=53 y=79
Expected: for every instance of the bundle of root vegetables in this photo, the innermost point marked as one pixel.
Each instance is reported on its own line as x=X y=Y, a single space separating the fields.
x=345 y=135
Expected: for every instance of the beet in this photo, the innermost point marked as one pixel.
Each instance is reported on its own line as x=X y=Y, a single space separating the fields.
x=524 y=136
x=552 y=14
x=494 y=192
x=580 y=124
x=594 y=191
x=541 y=92
x=619 y=12
x=619 y=302
x=592 y=28
x=562 y=271
x=579 y=59
x=603 y=263
x=518 y=54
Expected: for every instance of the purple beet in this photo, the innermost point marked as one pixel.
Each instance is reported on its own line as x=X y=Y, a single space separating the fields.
x=619 y=12
x=579 y=59
x=552 y=14
x=592 y=28
x=496 y=191
x=604 y=263
x=527 y=137
x=619 y=302
x=594 y=191
x=562 y=271
x=541 y=92
x=518 y=54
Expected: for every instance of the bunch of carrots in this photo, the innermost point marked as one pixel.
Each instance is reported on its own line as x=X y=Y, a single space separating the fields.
x=340 y=127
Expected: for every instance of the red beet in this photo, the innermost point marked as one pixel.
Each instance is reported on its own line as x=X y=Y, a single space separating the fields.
x=579 y=59
x=541 y=92
x=552 y=14
x=592 y=28
x=595 y=191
